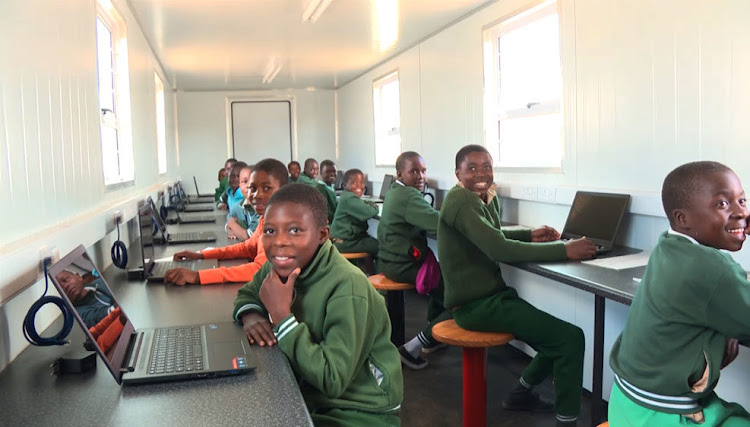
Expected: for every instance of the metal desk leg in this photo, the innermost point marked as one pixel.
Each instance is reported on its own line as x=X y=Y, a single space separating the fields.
x=596 y=384
x=394 y=300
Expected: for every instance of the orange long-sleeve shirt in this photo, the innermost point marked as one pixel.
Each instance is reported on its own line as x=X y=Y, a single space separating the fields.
x=252 y=248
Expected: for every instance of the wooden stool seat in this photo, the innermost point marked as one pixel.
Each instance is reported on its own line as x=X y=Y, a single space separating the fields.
x=604 y=424
x=355 y=255
x=382 y=283
x=474 y=346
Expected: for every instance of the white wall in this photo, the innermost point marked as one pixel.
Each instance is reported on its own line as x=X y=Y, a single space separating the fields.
x=204 y=129
x=51 y=184
x=648 y=85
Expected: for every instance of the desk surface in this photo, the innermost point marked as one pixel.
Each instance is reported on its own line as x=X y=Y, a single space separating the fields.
x=268 y=396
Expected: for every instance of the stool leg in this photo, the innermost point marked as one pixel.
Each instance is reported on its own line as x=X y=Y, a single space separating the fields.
x=394 y=300
x=475 y=386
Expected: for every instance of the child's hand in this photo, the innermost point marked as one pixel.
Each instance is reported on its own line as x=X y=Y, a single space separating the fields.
x=582 y=248
x=544 y=234
x=182 y=276
x=277 y=296
x=223 y=206
x=730 y=352
x=258 y=329
x=187 y=255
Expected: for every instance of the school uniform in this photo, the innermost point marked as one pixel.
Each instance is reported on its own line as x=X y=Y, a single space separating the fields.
x=337 y=340
x=231 y=197
x=349 y=226
x=329 y=194
x=471 y=244
x=667 y=360
x=251 y=249
x=218 y=191
x=402 y=235
x=304 y=179
x=292 y=179
x=246 y=216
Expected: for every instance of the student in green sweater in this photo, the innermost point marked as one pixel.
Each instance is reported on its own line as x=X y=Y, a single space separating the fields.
x=310 y=172
x=294 y=171
x=471 y=244
x=328 y=177
x=692 y=304
x=324 y=315
x=349 y=227
x=402 y=233
x=224 y=180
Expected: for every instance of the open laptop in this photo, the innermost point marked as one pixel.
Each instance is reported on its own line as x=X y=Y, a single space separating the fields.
x=146 y=355
x=387 y=182
x=201 y=198
x=193 y=206
x=177 y=238
x=193 y=219
x=596 y=216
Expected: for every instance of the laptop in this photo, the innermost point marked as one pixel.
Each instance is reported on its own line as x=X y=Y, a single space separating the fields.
x=193 y=219
x=177 y=238
x=387 y=182
x=148 y=355
x=596 y=216
x=195 y=207
x=206 y=197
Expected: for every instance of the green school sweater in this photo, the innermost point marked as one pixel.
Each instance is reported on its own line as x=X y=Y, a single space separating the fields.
x=304 y=179
x=691 y=299
x=223 y=184
x=338 y=337
x=471 y=245
x=350 y=220
x=405 y=219
x=330 y=195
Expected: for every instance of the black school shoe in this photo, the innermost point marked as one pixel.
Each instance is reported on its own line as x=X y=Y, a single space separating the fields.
x=407 y=359
x=523 y=399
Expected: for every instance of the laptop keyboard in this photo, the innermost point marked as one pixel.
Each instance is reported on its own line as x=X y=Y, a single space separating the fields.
x=177 y=350
x=191 y=235
x=160 y=268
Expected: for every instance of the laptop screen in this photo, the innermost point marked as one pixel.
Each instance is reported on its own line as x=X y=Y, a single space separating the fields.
x=387 y=182
x=596 y=216
x=146 y=229
x=88 y=296
x=157 y=217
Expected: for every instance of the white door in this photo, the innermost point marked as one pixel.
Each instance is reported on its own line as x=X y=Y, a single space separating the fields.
x=262 y=129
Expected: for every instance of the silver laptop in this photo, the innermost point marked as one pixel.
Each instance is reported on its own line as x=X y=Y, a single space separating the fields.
x=177 y=238
x=145 y=355
x=596 y=216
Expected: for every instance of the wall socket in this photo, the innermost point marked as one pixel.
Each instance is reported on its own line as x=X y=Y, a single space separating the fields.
x=50 y=252
x=118 y=217
x=545 y=194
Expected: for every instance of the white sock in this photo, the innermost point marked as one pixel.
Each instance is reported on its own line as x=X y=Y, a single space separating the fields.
x=414 y=346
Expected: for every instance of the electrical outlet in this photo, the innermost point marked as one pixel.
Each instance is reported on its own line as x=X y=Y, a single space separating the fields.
x=48 y=252
x=529 y=193
x=118 y=216
x=545 y=194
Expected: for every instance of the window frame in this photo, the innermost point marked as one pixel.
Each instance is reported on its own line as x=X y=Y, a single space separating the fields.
x=377 y=87
x=160 y=107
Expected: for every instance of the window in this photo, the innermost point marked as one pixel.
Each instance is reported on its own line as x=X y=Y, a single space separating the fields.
x=523 y=89
x=114 y=98
x=161 y=124
x=387 y=118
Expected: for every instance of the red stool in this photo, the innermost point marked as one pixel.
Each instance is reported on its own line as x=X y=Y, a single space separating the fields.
x=394 y=300
x=474 y=346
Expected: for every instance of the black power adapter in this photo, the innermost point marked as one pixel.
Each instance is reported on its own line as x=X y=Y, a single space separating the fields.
x=74 y=362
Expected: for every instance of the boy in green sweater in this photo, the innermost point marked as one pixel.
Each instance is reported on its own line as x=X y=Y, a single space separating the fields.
x=691 y=305
x=310 y=173
x=402 y=234
x=323 y=314
x=471 y=244
x=224 y=180
x=349 y=227
x=294 y=171
x=328 y=177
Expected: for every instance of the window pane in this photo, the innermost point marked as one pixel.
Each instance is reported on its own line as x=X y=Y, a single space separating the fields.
x=110 y=162
x=531 y=141
x=161 y=130
x=387 y=116
x=105 y=71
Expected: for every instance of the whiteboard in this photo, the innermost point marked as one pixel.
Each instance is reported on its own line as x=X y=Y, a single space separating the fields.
x=262 y=129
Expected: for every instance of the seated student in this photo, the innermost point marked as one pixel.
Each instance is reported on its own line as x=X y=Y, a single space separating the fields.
x=404 y=222
x=324 y=315
x=310 y=173
x=224 y=179
x=349 y=227
x=88 y=295
x=242 y=220
x=328 y=177
x=232 y=195
x=690 y=307
x=471 y=244
x=294 y=170
x=268 y=176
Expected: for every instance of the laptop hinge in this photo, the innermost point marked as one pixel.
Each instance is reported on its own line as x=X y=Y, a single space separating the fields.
x=134 y=349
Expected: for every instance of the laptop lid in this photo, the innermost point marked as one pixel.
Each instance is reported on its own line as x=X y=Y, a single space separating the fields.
x=155 y=212
x=146 y=231
x=387 y=182
x=596 y=216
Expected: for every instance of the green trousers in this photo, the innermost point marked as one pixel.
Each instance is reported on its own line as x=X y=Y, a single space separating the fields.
x=350 y=417
x=716 y=412
x=559 y=344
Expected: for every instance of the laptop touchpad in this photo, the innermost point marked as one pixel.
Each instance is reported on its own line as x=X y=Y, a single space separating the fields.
x=229 y=354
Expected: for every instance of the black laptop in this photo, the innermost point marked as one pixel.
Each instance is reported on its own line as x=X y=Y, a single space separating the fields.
x=192 y=219
x=154 y=354
x=186 y=205
x=387 y=182
x=201 y=198
x=162 y=236
x=596 y=216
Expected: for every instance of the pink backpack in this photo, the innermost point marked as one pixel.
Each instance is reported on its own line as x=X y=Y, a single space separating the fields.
x=428 y=276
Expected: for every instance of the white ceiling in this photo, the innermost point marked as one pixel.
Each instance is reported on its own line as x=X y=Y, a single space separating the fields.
x=228 y=44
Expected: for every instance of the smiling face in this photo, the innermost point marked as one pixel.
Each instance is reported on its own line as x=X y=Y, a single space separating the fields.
x=311 y=169
x=262 y=187
x=414 y=173
x=476 y=173
x=328 y=174
x=291 y=237
x=717 y=214
x=72 y=284
x=356 y=184
x=294 y=170
x=234 y=177
x=245 y=181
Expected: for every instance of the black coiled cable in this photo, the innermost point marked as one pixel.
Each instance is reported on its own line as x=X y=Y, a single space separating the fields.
x=29 y=328
x=119 y=251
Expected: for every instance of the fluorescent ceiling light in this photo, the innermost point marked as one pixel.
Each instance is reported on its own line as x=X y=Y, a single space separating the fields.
x=314 y=9
x=272 y=70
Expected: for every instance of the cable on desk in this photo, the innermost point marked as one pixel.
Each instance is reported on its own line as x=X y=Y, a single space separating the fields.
x=163 y=212
x=29 y=328
x=119 y=251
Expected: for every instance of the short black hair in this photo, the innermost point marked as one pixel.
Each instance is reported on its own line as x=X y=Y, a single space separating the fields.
x=309 y=161
x=239 y=165
x=293 y=162
x=466 y=150
x=403 y=157
x=273 y=168
x=684 y=181
x=231 y=159
x=328 y=163
x=305 y=195
x=350 y=174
